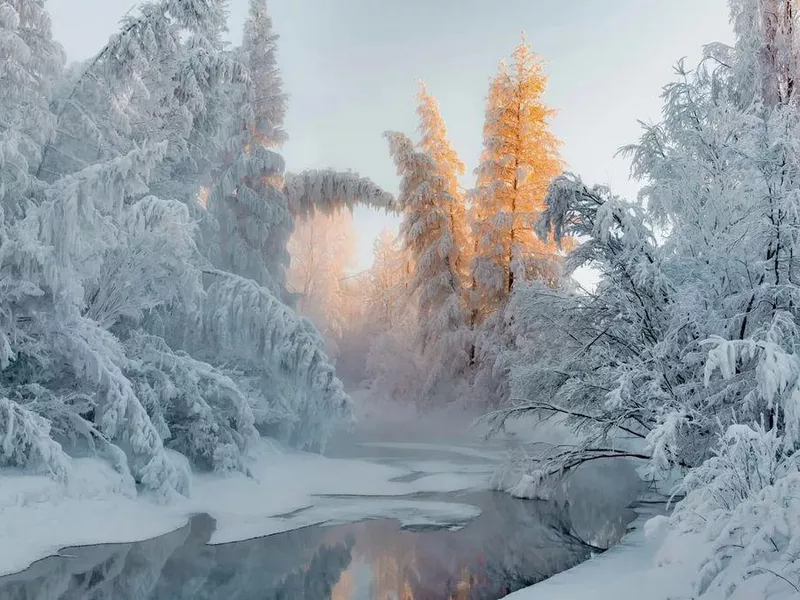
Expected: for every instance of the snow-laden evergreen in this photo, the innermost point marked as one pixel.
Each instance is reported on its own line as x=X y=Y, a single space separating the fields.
x=143 y=234
x=31 y=63
x=327 y=191
x=519 y=158
x=266 y=100
x=685 y=355
x=434 y=284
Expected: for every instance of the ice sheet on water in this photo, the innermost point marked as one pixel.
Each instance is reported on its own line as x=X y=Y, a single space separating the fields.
x=482 y=453
x=431 y=467
x=38 y=517
x=338 y=511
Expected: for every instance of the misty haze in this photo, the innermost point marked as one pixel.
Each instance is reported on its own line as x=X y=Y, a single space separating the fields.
x=382 y=300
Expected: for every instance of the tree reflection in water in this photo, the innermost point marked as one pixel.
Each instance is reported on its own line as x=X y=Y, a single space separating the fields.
x=512 y=544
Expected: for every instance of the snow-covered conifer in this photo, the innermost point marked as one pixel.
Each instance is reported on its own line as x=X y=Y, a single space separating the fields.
x=434 y=283
x=30 y=64
x=520 y=157
x=435 y=143
x=265 y=94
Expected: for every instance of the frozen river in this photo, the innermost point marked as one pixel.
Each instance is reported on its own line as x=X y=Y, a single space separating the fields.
x=473 y=544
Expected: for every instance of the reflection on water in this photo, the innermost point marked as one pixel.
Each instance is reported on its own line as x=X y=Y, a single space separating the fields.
x=512 y=544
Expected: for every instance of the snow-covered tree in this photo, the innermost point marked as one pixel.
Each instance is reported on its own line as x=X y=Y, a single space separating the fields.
x=252 y=218
x=387 y=280
x=117 y=99
x=393 y=362
x=279 y=360
x=685 y=355
x=435 y=143
x=265 y=89
x=520 y=157
x=434 y=240
x=30 y=67
x=323 y=250
x=135 y=320
x=427 y=234
x=589 y=356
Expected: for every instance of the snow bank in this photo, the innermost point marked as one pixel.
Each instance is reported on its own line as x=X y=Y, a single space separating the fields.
x=628 y=571
x=283 y=491
x=38 y=516
x=652 y=562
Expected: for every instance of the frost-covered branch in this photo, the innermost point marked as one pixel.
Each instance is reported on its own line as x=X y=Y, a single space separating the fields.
x=327 y=191
x=142 y=256
x=246 y=323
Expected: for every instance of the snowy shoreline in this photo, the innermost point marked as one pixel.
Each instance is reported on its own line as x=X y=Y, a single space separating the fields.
x=629 y=570
x=651 y=562
x=39 y=517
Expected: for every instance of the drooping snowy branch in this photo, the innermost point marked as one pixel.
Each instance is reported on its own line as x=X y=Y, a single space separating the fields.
x=26 y=443
x=246 y=323
x=143 y=183
x=327 y=190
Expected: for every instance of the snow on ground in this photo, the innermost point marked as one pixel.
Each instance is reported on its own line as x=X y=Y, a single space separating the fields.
x=628 y=571
x=38 y=516
x=650 y=563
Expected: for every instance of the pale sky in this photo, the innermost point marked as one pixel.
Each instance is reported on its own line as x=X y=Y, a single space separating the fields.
x=351 y=68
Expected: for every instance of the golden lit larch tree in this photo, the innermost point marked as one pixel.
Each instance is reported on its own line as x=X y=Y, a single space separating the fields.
x=520 y=158
x=434 y=237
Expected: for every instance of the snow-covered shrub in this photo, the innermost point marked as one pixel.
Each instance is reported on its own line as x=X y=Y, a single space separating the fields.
x=745 y=462
x=25 y=441
x=198 y=411
x=745 y=501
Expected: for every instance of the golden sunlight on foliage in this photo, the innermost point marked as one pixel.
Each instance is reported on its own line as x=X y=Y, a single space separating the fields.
x=323 y=251
x=520 y=158
x=436 y=144
x=202 y=196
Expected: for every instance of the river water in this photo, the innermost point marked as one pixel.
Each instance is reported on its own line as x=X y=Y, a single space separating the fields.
x=511 y=544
